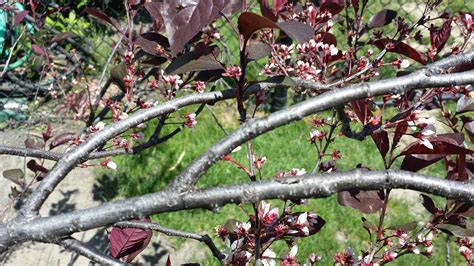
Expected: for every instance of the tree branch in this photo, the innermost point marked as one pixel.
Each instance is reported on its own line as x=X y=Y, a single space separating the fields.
x=77 y=246
x=310 y=186
x=172 y=232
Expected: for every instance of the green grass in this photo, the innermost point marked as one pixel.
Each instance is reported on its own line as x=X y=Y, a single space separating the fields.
x=285 y=148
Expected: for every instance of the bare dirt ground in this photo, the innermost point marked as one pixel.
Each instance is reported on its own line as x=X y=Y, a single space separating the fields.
x=75 y=192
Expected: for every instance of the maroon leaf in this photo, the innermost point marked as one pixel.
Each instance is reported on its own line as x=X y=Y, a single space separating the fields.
x=381 y=18
x=193 y=61
x=381 y=141
x=48 y=133
x=440 y=35
x=62 y=36
x=61 y=139
x=429 y=204
x=127 y=241
x=101 y=15
x=441 y=145
x=400 y=130
x=465 y=104
x=365 y=201
x=19 y=17
x=355 y=5
x=33 y=143
x=298 y=31
x=333 y=6
x=39 y=50
x=249 y=23
x=326 y=37
x=168 y=261
x=184 y=19
x=401 y=48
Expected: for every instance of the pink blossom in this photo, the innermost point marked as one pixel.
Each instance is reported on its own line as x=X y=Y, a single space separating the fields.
x=266 y=216
x=233 y=71
x=190 y=120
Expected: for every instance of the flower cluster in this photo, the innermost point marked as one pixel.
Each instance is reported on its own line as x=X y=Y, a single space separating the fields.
x=266 y=228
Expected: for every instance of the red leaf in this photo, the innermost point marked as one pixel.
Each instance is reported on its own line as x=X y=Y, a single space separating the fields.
x=184 y=19
x=48 y=133
x=399 y=131
x=365 y=201
x=441 y=145
x=355 y=5
x=19 y=17
x=168 y=261
x=249 y=23
x=193 y=61
x=267 y=11
x=127 y=241
x=39 y=50
x=326 y=37
x=440 y=35
x=38 y=169
x=61 y=139
x=101 y=15
x=401 y=48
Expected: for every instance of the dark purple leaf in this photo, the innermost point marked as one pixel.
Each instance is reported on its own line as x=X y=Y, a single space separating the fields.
x=192 y=62
x=168 y=261
x=465 y=104
x=429 y=204
x=440 y=35
x=381 y=141
x=14 y=175
x=381 y=18
x=125 y=241
x=298 y=31
x=48 y=133
x=469 y=127
x=62 y=36
x=257 y=50
x=61 y=139
x=326 y=37
x=184 y=19
x=417 y=162
x=19 y=17
x=333 y=6
x=101 y=15
x=365 y=201
x=33 y=143
x=441 y=145
x=401 y=48
x=37 y=168
x=154 y=9
x=232 y=7
x=152 y=43
x=457 y=231
x=249 y=23
x=404 y=227
x=39 y=50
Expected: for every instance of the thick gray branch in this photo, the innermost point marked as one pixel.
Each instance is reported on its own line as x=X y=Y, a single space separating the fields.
x=81 y=153
x=92 y=254
x=310 y=186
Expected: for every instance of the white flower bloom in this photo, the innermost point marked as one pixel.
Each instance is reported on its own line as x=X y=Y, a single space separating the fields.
x=111 y=165
x=427 y=143
x=294 y=251
x=268 y=257
x=405 y=63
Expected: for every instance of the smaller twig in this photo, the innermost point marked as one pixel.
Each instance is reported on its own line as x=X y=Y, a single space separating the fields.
x=448 y=251
x=216 y=119
x=346 y=128
x=172 y=232
x=78 y=247
x=5 y=68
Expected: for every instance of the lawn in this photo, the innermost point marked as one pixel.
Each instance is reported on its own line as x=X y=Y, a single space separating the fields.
x=285 y=148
